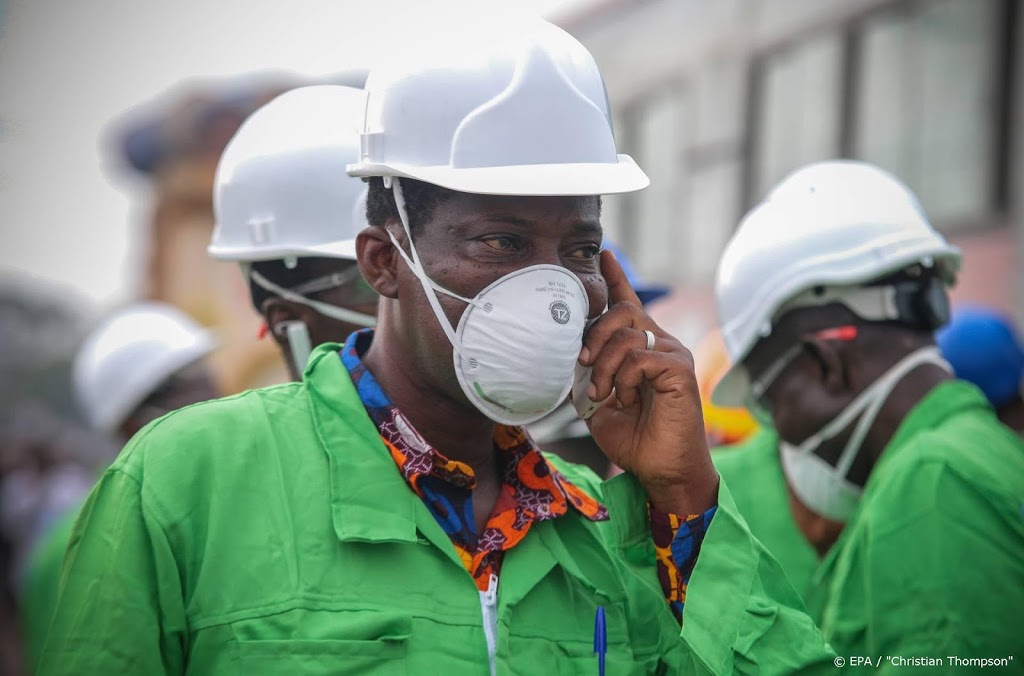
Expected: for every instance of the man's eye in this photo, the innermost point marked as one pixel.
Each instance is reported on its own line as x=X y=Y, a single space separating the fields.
x=500 y=243
x=587 y=252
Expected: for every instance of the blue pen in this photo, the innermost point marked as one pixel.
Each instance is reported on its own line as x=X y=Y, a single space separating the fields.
x=600 y=639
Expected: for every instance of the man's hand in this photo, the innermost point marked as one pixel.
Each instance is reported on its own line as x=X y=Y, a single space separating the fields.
x=651 y=424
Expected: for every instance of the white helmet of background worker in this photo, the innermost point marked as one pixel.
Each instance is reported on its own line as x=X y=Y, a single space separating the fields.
x=834 y=232
x=823 y=232
x=514 y=107
x=281 y=193
x=130 y=355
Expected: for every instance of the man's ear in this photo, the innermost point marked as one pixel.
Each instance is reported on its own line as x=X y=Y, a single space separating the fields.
x=833 y=363
x=278 y=310
x=378 y=260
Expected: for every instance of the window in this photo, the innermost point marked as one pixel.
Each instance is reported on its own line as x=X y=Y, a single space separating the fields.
x=659 y=141
x=798 y=119
x=925 y=103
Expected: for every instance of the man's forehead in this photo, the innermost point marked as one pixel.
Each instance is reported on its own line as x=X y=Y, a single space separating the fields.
x=582 y=214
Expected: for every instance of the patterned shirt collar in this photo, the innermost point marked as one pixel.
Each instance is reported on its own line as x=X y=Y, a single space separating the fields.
x=538 y=491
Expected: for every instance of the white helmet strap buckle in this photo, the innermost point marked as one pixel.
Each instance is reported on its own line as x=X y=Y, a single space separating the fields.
x=872 y=303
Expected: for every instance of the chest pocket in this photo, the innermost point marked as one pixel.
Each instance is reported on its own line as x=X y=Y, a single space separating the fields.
x=573 y=657
x=568 y=646
x=335 y=643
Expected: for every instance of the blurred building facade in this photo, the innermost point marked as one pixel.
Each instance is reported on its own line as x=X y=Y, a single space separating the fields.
x=718 y=100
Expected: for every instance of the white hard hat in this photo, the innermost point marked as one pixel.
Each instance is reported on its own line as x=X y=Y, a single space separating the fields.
x=281 y=188
x=830 y=224
x=508 y=107
x=130 y=355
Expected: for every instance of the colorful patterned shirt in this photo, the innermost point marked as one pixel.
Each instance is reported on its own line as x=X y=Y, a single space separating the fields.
x=532 y=490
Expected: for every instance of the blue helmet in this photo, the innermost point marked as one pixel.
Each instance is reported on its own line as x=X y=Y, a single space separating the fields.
x=983 y=348
x=646 y=292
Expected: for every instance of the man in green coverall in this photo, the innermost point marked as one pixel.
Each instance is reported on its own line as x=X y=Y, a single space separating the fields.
x=374 y=518
x=900 y=476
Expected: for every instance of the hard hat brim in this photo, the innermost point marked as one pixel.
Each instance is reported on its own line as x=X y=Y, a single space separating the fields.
x=344 y=249
x=527 y=180
x=731 y=390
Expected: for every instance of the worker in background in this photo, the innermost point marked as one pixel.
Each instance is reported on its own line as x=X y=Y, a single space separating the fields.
x=746 y=455
x=48 y=455
x=984 y=348
x=562 y=431
x=174 y=144
x=288 y=213
x=900 y=476
x=137 y=365
x=388 y=513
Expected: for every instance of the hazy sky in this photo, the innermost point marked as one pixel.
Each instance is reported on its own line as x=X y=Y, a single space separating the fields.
x=67 y=68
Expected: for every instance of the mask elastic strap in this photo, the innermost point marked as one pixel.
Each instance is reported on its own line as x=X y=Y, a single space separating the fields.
x=870 y=401
x=417 y=268
x=326 y=309
x=881 y=390
x=331 y=281
x=422 y=276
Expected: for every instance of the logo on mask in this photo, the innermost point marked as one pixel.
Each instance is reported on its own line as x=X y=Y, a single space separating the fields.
x=560 y=312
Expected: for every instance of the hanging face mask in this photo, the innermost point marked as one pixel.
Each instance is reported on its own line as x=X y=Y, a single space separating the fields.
x=299 y=343
x=518 y=340
x=819 y=485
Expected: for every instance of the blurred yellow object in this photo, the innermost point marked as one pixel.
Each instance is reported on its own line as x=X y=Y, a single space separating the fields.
x=722 y=425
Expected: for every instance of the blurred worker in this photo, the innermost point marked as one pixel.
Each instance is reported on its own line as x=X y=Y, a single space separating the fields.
x=289 y=214
x=901 y=477
x=388 y=513
x=140 y=363
x=175 y=144
x=983 y=348
x=562 y=431
x=747 y=459
x=48 y=456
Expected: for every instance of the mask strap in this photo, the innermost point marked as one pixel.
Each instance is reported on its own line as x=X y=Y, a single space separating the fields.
x=331 y=281
x=422 y=276
x=326 y=309
x=417 y=269
x=880 y=391
x=870 y=401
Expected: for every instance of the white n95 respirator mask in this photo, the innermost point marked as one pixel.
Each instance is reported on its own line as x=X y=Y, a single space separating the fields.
x=516 y=345
x=822 y=487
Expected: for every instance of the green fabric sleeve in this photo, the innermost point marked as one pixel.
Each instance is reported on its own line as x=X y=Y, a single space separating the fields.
x=953 y=592
x=742 y=615
x=120 y=608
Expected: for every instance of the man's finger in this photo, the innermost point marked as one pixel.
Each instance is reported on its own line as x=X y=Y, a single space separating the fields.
x=619 y=288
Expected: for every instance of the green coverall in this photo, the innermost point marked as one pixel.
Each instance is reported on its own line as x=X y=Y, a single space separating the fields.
x=753 y=472
x=270 y=533
x=39 y=593
x=932 y=562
